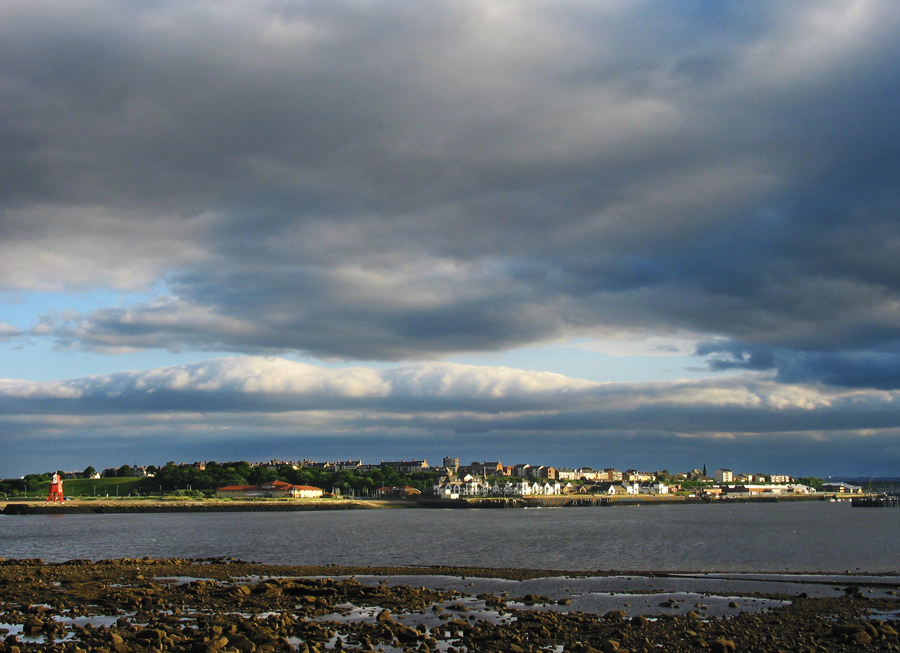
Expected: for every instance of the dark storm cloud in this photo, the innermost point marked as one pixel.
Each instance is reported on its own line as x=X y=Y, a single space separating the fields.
x=396 y=180
x=875 y=368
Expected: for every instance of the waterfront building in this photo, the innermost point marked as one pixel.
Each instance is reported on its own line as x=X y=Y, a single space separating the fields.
x=841 y=488
x=397 y=492
x=476 y=486
x=269 y=490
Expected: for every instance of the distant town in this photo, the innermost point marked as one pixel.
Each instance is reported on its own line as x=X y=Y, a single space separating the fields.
x=414 y=478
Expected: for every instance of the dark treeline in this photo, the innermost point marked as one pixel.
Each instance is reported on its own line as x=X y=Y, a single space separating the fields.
x=186 y=478
x=174 y=477
x=178 y=478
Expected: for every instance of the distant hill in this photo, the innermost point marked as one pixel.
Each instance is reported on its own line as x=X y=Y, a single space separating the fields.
x=863 y=481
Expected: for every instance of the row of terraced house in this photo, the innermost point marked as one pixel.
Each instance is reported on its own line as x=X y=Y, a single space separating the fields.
x=453 y=467
x=451 y=487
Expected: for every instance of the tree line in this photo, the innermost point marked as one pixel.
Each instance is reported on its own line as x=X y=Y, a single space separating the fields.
x=181 y=478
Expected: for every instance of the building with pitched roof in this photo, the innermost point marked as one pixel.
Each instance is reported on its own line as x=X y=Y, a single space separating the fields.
x=397 y=492
x=269 y=490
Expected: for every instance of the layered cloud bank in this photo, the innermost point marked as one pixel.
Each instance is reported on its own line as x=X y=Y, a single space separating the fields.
x=443 y=408
x=265 y=378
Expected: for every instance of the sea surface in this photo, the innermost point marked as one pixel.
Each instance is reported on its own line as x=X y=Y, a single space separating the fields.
x=805 y=537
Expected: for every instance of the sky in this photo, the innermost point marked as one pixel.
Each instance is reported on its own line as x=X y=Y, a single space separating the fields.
x=633 y=234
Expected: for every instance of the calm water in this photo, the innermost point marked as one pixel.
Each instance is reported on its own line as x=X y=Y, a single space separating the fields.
x=779 y=537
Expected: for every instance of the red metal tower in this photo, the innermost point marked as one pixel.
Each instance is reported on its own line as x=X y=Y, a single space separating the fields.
x=56 y=490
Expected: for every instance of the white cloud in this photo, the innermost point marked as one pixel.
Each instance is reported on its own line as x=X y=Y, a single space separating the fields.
x=16 y=389
x=466 y=381
x=275 y=376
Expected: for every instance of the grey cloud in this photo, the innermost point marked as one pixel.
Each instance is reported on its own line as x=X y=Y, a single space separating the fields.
x=393 y=181
x=860 y=369
x=8 y=332
x=878 y=367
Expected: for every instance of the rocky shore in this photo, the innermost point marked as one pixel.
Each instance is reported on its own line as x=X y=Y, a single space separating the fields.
x=229 y=606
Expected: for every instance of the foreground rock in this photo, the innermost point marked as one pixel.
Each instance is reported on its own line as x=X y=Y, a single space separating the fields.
x=227 y=606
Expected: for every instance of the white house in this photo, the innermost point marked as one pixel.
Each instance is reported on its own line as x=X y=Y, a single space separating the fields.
x=474 y=486
x=610 y=487
x=653 y=487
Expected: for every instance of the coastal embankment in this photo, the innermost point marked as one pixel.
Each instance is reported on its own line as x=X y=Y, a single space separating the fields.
x=591 y=501
x=112 y=506
x=131 y=505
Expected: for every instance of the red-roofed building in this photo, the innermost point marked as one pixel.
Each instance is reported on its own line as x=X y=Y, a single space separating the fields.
x=397 y=492
x=270 y=490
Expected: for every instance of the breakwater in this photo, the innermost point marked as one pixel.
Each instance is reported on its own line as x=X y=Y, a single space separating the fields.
x=114 y=507
x=876 y=501
x=111 y=506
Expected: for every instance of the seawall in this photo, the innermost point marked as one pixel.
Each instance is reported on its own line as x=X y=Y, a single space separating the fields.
x=112 y=507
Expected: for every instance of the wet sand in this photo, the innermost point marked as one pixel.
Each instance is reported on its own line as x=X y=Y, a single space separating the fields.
x=229 y=606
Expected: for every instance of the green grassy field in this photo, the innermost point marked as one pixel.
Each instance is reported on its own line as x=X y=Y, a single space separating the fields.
x=101 y=487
